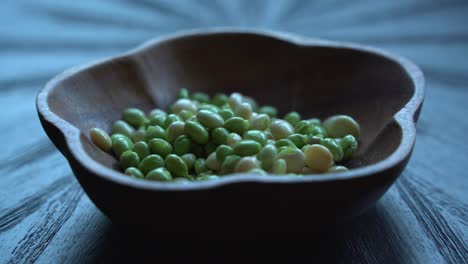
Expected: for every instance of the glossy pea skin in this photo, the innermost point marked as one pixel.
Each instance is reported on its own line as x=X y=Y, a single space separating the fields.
x=155 y=132
x=220 y=99
x=207 y=177
x=176 y=166
x=229 y=164
x=209 y=108
x=341 y=125
x=156 y=112
x=182 y=145
x=234 y=100
x=269 y=110
x=237 y=125
x=174 y=130
x=267 y=156
x=334 y=148
x=303 y=127
x=157 y=120
x=284 y=143
x=233 y=139
x=196 y=132
x=122 y=127
x=189 y=160
x=186 y=115
x=246 y=164
x=222 y=152
x=318 y=157
x=219 y=135
x=244 y=110
x=134 y=117
x=129 y=159
x=226 y=113
x=184 y=104
x=293 y=118
x=294 y=159
x=256 y=135
x=142 y=149
x=247 y=148
x=134 y=172
x=298 y=139
x=116 y=136
x=139 y=135
x=101 y=139
x=209 y=119
x=212 y=162
x=251 y=102
x=120 y=145
x=279 y=167
x=181 y=180
x=183 y=93
x=281 y=129
x=171 y=118
x=260 y=122
x=160 y=147
x=349 y=145
x=338 y=168
x=200 y=166
x=151 y=162
x=159 y=174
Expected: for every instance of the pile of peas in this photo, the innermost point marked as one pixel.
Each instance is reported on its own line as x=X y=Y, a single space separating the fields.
x=199 y=138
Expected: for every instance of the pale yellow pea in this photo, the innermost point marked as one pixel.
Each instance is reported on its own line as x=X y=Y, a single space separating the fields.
x=212 y=162
x=184 y=104
x=244 y=110
x=246 y=164
x=318 y=158
x=101 y=139
x=281 y=129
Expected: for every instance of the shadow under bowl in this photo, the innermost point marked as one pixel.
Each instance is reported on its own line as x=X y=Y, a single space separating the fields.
x=316 y=78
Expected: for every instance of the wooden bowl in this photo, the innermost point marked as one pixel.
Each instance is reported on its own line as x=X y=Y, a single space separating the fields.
x=317 y=78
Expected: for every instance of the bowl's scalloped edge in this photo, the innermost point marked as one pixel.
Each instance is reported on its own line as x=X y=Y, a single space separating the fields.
x=405 y=117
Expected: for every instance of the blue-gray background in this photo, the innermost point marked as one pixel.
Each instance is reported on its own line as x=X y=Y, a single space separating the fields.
x=44 y=215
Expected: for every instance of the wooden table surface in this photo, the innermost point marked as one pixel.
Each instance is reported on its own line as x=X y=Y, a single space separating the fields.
x=46 y=217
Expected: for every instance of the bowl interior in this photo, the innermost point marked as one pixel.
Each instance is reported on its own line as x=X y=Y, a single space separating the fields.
x=316 y=81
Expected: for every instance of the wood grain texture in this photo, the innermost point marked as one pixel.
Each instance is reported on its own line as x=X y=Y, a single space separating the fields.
x=422 y=219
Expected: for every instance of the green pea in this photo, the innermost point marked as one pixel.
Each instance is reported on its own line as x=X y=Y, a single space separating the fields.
x=284 y=143
x=134 y=172
x=260 y=122
x=181 y=180
x=207 y=177
x=101 y=139
x=267 y=156
x=201 y=97
x=251 y=102
x=334 y=148
x=293 y=118
x=183 y=93
x=159 y=174
x=219 y=135
x=116 y=136
x=157 y=120
x=244 y=110
x=129 y=159
x=210 y=119
x=171 y=119
x=256 y=135
x=234 y=100
x=182 y=145
x=298 y=139
x=120 y=145
x=176 y=166
x=156 y=112
x=246 y=164
x=294 y=159
x=200 y=166
x=319 y=130
x=174 y=130
x=134 y=117
x=281 y=129
x=198 y=150
x=139 y=135
x=229 y=164
x=185 y=114
x=341 y=125
x=141 y=148
x=222 y=152
x=269 y=110
x=160 y=147
x=220 y=99
x=315 y=139
x=196 y=132
x=279 y=167
x=237 y=125
x=247 y=148
x=283 y=148
x=314 y=121
x=210 y=147
x=151 y=162
x=189 y=160
x=258 y=171
x=209 y=108
x=122 y=127
x=226 y=113
x=155 y=132
x=303 y=127
x=349 y=145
